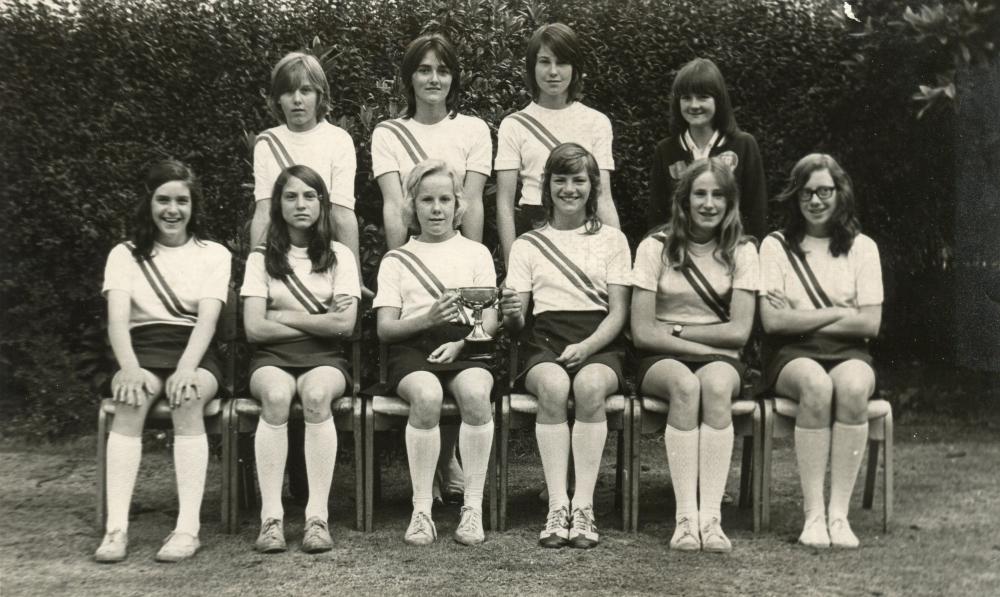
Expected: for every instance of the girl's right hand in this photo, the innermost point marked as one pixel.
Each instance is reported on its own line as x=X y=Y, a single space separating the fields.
x=444 y=310
x=510 y=302
x=130 y=387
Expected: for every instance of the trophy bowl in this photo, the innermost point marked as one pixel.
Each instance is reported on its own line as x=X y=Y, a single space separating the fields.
x=478 y=298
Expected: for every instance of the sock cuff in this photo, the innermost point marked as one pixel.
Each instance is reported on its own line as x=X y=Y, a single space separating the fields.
x=435 y=430
x=584 y=425
x=127 y=439
x=328 y=422
x=851 y=428
x=488 y=426
x=262 y=424
x=190 y=439
x=708 y=429
x=678 y=432
x=821 y=431
x=551 y=426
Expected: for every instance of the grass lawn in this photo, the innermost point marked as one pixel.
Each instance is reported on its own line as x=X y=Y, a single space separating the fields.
x=944 y=540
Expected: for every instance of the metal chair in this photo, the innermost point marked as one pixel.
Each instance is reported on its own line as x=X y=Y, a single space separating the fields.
x=240 y=418
x=779 y=421
x=159 y=414
x=650 y=416
x=518 y=411
x=383 y=412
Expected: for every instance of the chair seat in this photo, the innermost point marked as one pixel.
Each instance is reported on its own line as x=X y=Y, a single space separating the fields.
x=660 y=406
x=394 y=406
x=528 y=404
x=161 y=410
x=787 y=407
x=251 y=407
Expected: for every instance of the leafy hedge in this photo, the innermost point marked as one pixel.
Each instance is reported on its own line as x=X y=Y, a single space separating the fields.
x=94 y=91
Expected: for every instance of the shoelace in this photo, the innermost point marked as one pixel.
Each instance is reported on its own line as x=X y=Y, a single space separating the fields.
x=272 y=528
x=472 y=520
x=685 y=525
x=583 y=520
x=423 y=523
x=556 y=520
x=317 y=526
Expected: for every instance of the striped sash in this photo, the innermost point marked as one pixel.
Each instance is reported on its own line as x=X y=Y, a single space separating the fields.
x=281 y=154
x=534 y=127
x=806 y=276
x=425 y=276
x=698 y=281
x=406 y=139
x=298 y=290
x=574 y=274
x=163 y=291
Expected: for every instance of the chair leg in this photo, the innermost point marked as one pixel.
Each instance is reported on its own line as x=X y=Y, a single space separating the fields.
x=619 y=489
x=358 y=427
x=102 y=466
x=369 y=455
x=491 y=479
x=635 y=465
x=756 y=466
x=765 y=465
x=870 y=474
x=504 y=460
x=746 y=466
x=887 y=479
x=227 y=466
x=625 y=466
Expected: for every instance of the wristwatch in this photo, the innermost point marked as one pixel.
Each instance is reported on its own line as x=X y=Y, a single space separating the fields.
x=678 y=328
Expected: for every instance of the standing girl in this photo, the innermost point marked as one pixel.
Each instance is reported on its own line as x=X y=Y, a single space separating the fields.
x=692 y=311
x=554 y=74
x=821 y=301
x=702 y=125
x=165 y=289
x=425 y=328
x=300 y=302
x=576 y=272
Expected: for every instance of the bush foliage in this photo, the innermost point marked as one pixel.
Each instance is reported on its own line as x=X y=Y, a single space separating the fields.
x=94 y=91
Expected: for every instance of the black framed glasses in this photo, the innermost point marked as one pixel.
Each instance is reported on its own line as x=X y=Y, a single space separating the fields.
x=824 y=193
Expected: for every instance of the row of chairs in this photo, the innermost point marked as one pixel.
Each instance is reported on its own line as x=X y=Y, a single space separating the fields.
x=758 y=420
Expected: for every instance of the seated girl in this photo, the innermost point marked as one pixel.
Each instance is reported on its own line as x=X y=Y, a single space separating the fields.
x=419 y=316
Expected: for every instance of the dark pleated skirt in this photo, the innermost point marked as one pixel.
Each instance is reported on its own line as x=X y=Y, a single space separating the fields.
x=828 y=352
x=411 y=355
x=159 y=347
x=298 y=356
x=692 y=362
x=551 y=332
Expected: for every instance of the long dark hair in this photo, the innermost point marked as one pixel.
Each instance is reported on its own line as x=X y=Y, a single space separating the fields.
x=567 y=47
x=844 y=222
x=570 y=158
x=727 y=235
x=144 y=230
x=320 y=233
x=445 y=52
x=701 y=77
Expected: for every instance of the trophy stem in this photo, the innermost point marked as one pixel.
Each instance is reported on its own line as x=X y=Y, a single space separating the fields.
x=478 y=334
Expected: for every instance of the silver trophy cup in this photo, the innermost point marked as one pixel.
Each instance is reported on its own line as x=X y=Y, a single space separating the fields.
x=478 y=298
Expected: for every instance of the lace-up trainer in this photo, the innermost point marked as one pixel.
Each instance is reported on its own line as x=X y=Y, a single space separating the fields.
x=272 y=537
x=583 y=532
x=686 y=536
x=470 y=527
x=814 y=533
x=177 y=547
x=556 y=531
x=316 y=536
x=421 y=530
x=841 y=534
x=713 y=539
x=114 y=547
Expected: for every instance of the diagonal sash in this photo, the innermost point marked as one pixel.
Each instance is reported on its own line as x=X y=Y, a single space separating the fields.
x=302 y=294
x=697 y=280
x=406 y=139
x=536 y=128
x=281 y=154
x=163 y=291
x=425 y=276
x=806 y=276
x=564 y=264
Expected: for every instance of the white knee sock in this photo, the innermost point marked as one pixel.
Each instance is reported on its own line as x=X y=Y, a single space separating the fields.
x=321 y=457
x=553 y=446
x=812 y=451
x=423 y=446
x=190 y=468
x=475 y=443
x=847 y=450
x=715 y=451
x=588 y=447
x=682 y=457
x=271 y=447
x=124 y=455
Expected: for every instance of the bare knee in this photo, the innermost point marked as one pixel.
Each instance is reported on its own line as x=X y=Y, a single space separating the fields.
x=851 y=399
x=474 y=401
x=425 y=406
x=315 y=404
x=188 y=418
x=815 y=400
x=129 y=420
x=589 y=393
x=275 y=403
x=553 y=398
x=716 y=401
x=685 y=398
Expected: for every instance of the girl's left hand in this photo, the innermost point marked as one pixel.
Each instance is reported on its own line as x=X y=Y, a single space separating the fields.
x=446 y=353
x=182 y=387
x=574 y=355
x=341 y=302
x=777 y=299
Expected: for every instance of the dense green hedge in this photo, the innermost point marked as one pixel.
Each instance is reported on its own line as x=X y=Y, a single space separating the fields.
x=93 y=91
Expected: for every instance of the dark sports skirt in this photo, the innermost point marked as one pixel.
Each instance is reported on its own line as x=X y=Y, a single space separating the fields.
x=551 y=332
x=298 y=356
x=411 y=355
x=828 y=352
x=692 y=362
x=159 y=346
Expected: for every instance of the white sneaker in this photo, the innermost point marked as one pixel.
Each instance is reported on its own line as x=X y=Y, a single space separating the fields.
x=713 y=540
x=686 y=536
x=583 y=534
x=178 y=546
x=814 y=533
x=421 y=530
x=114 y=547
x=841 y=534
x=556 y=531
x=470 y=527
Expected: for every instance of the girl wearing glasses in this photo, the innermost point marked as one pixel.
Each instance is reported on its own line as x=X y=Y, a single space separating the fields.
x=820 y=302
x=702 y=125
